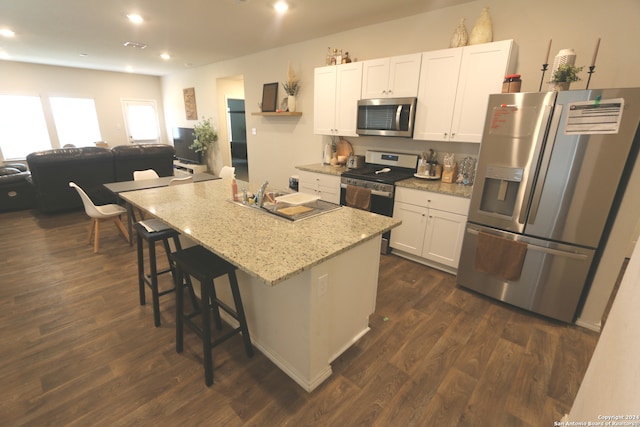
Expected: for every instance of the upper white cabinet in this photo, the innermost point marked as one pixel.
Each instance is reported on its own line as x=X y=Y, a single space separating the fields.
x=454 y=88
x=336 y=92
x=394 y=77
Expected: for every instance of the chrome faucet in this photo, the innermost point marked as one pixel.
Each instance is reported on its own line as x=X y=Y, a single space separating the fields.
x=260 y=194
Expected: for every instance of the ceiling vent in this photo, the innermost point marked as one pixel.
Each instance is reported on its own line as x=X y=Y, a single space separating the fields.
x=135 y=45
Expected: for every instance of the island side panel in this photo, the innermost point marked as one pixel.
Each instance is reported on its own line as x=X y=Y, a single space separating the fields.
x=302 y=325
x=353 y=287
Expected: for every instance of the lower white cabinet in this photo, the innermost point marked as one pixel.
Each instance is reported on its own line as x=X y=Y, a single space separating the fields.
x=432 y=227
x=325 y=186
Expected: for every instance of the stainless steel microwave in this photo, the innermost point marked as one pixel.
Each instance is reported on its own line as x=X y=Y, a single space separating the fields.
x=386 y=117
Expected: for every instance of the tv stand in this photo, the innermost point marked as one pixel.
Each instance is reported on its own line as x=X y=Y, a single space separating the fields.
x=188 y=168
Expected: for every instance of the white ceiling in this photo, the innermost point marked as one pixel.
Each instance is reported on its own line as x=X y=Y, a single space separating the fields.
x=91 y=33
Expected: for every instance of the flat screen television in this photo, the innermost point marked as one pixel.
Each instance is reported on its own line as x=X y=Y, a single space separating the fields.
x=182 y=139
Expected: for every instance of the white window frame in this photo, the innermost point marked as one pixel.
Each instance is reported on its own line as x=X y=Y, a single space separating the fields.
x=128 y=126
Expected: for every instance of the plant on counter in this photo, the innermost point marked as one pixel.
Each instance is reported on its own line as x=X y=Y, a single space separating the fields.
x=205 y=135
x=566 y=73
x=292 y=85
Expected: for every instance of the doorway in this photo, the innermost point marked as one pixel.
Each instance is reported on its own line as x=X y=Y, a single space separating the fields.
x=238 y=138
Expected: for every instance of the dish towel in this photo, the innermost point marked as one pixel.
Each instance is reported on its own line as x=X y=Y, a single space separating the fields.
x=500 y=257
x=358 y=197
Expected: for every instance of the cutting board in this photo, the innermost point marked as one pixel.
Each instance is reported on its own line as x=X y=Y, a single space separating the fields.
x=294 y=210
x=344 y=148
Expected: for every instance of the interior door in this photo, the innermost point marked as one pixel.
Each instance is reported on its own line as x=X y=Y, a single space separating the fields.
x=238 y=136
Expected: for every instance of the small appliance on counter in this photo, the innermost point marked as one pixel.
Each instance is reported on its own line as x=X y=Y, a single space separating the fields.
x=355 y=162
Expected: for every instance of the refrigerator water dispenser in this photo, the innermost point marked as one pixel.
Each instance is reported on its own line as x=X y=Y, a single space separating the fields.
x=500 y=191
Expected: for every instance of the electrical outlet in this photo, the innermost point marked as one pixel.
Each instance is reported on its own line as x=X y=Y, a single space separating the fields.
x=254 y=131
x=323 y=284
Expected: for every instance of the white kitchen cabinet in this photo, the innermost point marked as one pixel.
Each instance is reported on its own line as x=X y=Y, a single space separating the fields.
x=336 y=92
x=432 y=227
x=325 y=186
x=393 y=77
x=454 y=88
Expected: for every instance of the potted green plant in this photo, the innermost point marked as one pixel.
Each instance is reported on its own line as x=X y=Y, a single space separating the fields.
x=205 y=135
x=291 y=88
x=564 y=75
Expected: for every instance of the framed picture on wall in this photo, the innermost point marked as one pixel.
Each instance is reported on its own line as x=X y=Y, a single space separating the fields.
x=190 y=103
x=270 y=97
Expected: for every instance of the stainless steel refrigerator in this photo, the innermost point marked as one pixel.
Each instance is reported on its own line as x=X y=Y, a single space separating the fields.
x=551 y=172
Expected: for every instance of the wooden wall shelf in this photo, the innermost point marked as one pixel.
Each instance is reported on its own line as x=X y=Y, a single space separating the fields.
x=294 y=113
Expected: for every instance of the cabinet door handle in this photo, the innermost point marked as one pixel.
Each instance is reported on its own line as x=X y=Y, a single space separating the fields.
x=453 y=135
x=445 y=134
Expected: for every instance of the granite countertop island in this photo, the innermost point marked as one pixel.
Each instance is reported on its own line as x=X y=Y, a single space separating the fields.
x=308 y=287
x=261 y=244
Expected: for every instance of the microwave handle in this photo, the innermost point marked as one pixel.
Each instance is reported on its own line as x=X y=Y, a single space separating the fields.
x=398 y=114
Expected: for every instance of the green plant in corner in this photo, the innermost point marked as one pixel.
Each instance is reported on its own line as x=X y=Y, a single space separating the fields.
x=566 y=73
x=205 y=135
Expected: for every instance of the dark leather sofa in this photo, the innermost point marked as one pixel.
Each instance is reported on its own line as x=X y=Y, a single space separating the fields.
x=90 y=168
x=16 y=192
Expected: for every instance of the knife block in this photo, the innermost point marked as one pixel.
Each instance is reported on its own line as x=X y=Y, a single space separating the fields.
x=450 y=174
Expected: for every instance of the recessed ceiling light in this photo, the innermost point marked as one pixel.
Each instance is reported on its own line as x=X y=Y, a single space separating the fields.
x=4 y=55
x=135 y=18
x=281 y=6
x=165 y=56
x=129 y=69
x=5 y=32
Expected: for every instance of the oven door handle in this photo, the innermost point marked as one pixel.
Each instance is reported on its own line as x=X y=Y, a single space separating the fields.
x=387 y=194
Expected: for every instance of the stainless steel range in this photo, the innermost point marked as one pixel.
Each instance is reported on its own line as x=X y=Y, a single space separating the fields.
x=380 y=173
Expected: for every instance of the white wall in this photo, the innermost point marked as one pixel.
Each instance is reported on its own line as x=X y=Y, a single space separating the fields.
x=610 y=385
x=106 y=88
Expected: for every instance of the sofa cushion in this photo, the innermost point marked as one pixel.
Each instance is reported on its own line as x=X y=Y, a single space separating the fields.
x=16 y=192
x=130 y=158
x=52 y=170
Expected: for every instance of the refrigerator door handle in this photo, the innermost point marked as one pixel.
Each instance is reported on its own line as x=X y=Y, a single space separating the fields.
x=532 y=247
x=544 y=165
x=524 y=208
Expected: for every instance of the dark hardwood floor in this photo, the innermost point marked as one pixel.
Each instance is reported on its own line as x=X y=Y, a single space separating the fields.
x=76 y=349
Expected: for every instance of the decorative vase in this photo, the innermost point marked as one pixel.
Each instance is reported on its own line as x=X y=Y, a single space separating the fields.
x=459 y=37
x=482 y=31
x=558 y=86
x=291 y=103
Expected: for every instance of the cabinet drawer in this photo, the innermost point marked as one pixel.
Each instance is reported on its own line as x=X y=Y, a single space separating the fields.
x=326 y=186
x=428 y=199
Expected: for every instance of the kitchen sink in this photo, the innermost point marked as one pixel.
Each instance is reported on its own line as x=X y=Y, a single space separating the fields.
x=289 y=211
